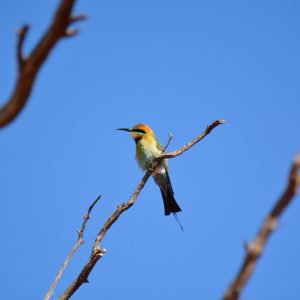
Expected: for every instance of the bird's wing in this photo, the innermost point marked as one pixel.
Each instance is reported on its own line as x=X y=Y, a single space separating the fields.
x=159 y=146
x=165 y=162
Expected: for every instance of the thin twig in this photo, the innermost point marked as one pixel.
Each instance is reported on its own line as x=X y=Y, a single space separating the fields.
x=97 y=251
x=255 y=249
x=22 y=33
x=29 y=67
x=168 y=142
x=76 y=246
x=77 y=18
x=194 y=141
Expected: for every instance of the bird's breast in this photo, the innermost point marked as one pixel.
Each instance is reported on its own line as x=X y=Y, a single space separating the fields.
x=145 y=154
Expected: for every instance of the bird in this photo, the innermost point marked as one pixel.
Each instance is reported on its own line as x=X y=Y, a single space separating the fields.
x=147 y=149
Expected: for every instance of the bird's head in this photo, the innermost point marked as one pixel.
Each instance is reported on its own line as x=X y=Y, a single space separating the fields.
x=139 y=131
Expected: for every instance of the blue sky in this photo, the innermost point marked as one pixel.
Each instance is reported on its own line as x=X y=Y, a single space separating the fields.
x=177 y=66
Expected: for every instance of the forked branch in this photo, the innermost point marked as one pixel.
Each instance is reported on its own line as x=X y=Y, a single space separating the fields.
x=98 y=251
x=255 y=249
x=28 y=67
x=79 y=242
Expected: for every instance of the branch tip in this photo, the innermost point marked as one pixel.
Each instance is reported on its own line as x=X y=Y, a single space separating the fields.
x=22 y=30
x=78 y=18
x=22 y=33
x=94 y=203
x=168 y=142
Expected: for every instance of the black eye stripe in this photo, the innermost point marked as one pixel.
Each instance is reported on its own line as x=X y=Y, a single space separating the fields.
x=139 y=130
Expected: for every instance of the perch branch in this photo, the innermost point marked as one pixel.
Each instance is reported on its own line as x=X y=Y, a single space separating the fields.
x=194 y=141
x=28 y=68
x=79 y=242
x=97 y=251
x=255 y=249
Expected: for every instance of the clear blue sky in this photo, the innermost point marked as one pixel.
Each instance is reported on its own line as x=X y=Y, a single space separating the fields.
x=177 y=66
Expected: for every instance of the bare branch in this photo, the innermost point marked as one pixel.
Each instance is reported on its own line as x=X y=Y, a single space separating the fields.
x=22 y=32
x=77 y=18
x=193 y=142
x=87 y=217
x=255 y=249
x=29 y=67
x=76 y=246
x=168 y=142
x=97 y=251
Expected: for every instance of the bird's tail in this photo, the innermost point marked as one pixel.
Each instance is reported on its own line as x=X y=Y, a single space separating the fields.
x=170 y=204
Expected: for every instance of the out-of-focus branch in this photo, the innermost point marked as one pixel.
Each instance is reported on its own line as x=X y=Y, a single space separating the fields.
x=28 y=67
x=97 y=251
x=256 y=247
x=79 y=242
x=22 y=32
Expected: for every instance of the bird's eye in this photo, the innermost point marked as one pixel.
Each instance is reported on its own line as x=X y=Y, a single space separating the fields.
x=139 y=131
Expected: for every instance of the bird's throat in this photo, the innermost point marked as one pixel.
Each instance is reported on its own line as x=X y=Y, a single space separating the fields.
x=137 y=139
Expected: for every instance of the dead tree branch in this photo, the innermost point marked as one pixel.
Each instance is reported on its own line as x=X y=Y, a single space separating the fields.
x=255 y=249
x=79 y=242
x=28 y=67
x=97 y=251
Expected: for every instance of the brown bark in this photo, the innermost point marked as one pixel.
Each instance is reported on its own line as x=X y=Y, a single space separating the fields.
x=255 y=249
x=28 y=67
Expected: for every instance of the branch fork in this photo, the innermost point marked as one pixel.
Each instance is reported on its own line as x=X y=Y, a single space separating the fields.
x=28 y=67
x=72 y=252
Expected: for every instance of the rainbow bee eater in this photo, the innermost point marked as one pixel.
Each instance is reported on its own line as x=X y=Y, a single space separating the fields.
x=147 y=149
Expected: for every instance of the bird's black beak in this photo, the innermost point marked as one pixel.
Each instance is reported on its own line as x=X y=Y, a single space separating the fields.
x=124 y=129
